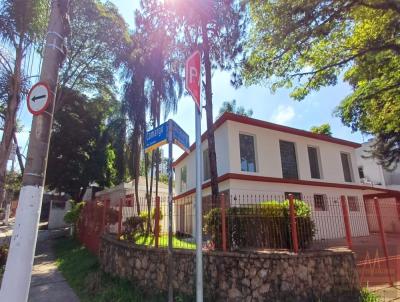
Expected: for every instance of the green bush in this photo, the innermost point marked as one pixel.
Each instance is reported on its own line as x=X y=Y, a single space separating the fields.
x=72 y=216
x=263 y=225
x=145 y=215
x=133 y=227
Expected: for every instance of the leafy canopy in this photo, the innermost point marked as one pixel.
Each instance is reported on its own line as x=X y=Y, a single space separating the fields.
x=233 y=108
x=308 y=44
x=80 y=152
x=323 y=129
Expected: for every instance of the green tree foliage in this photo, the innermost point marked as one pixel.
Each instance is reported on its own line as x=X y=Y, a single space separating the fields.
x=323 y=129
x=233 y=108
x=80 y=152
x=98 y=36
x=306 y=45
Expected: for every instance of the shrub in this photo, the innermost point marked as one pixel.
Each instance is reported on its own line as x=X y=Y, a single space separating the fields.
x=264 y=225
x=3 y=254
x=72 y=216
x=145 y=215
x=133 y=227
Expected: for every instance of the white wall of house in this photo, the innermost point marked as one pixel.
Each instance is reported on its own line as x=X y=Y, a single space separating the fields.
x=329 y=223
x=223 y=159
x=268 y=160
x=373 y=172
x=58 y=209
x=115 y=194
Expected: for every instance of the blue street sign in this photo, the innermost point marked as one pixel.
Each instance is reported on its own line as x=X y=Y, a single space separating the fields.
x=180 y=137
x=159 y=136
x=156 y=138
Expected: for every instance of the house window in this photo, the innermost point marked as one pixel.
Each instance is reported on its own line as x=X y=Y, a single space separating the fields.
x=353 y=203
x=183 y=187
x=247 y=153
x=346 y=164
x=314 y=162
x=206 y=165
x=320 y=202
x=296 y=195
x=361 y=172
x=288 y=160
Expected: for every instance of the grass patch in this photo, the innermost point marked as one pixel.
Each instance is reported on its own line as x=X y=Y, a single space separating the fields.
x=163 y=242
x=82 y=271
x=367 y=296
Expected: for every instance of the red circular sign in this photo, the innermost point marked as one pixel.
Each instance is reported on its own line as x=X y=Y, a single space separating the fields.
x=38 y=98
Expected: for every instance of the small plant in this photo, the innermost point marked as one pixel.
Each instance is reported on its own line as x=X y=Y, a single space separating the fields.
x=3 y=259
x=367 y=296
x=3 y=254
x=72 y=216
x=145 y=216
x=133 y=227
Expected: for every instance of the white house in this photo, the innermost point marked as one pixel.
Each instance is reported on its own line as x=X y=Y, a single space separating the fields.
x=257 y=160
x=373 y=173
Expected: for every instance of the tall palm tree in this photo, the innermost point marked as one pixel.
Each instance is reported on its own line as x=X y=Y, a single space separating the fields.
x=22 y=24
x=164 y=67
x=134 y=73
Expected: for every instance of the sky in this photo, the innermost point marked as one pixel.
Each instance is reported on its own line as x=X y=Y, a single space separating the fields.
x=316 y=109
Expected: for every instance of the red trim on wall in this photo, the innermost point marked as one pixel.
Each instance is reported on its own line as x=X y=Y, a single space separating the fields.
x=271 y=126
x=246 y=177
x=388 y=194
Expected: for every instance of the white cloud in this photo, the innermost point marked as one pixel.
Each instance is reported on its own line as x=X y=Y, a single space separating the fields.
x=283 y=114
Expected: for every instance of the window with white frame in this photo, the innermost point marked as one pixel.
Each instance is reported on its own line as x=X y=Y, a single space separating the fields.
x=320 y=202
x=353 y=203
x=183 y=185
x=247 y=153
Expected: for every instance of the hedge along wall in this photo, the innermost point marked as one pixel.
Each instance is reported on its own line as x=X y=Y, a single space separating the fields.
x=279 y=276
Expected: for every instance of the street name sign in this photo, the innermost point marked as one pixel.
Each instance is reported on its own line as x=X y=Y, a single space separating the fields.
x=159 y=136
x=156 y=138
x=38 y=98
x=192 y=77
x=180 y=137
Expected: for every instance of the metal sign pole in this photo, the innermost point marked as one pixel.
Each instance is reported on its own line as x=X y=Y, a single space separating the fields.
x=170 y=263
x=199 y=232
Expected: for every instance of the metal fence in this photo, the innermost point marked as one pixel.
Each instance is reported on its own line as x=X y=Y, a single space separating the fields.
x=370 y=227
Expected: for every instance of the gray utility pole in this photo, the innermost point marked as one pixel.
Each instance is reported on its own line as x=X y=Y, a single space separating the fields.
x=17 y=276
x=199 y=226
x=170 y=248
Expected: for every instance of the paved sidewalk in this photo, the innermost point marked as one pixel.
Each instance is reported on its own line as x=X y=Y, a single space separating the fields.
x=48 y=285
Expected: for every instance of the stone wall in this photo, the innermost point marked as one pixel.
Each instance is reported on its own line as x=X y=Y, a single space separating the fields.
x=278 y=276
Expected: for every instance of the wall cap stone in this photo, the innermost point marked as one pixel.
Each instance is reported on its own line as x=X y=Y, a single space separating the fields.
x=276 y=254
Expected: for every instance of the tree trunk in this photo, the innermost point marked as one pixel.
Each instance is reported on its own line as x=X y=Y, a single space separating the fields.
x=136 y=164
x=158 y=149
x=19 y=155
x=10 y=118
x=209 y=115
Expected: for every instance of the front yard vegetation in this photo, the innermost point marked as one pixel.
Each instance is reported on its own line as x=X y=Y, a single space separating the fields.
x=82 y=271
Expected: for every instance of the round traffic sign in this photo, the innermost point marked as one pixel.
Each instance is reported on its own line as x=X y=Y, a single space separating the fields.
x=38 y=98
